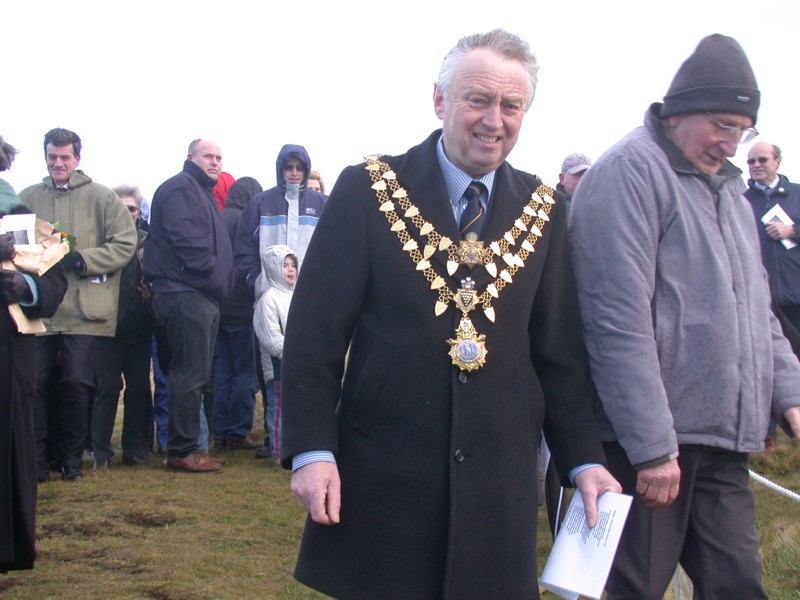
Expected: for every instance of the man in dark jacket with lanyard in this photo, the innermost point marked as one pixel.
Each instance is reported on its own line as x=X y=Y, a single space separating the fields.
x=779 y=239
x=419 y=469
x=769 y=192
x=189 y=264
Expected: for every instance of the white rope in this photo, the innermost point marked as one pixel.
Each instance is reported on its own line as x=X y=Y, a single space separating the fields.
x=775 y=487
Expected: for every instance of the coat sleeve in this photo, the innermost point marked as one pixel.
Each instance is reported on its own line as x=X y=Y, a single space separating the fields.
x=51 y=287
x=275 y=331
x=615 y=231
x=785 y=394
x=246 y=250
x=119 y=239
x=561 y=361
x=267 y=325
x=326 y=304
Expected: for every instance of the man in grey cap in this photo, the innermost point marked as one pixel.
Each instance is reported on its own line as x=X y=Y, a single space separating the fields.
x=687 y=357
x=572 y=169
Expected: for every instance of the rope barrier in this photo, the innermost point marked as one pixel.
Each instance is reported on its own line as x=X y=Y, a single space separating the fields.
x=775 y=487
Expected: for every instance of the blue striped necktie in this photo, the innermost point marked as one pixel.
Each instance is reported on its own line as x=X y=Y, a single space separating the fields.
x=473 y=216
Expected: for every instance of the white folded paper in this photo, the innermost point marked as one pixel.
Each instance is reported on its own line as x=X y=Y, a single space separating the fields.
x=776 y=213
x=581 y=558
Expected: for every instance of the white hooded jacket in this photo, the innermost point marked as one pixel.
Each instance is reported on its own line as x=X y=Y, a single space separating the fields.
x=272 y=308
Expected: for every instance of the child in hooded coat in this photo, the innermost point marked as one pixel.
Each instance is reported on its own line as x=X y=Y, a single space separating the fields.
x=279 y=265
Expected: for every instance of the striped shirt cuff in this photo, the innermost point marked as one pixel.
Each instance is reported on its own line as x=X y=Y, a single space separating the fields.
x=306 y=458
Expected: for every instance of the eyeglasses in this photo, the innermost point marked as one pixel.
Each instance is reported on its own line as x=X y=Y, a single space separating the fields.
x=291 y=167
x=761 y=159
x=733 y=133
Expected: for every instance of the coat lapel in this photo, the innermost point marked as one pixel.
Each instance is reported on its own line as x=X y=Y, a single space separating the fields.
x=422 y=178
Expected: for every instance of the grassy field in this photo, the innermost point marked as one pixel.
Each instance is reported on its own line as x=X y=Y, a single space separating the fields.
x=143 y=532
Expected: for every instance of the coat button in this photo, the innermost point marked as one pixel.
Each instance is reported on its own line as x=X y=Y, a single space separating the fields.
x=462 y=377
x=459 y=456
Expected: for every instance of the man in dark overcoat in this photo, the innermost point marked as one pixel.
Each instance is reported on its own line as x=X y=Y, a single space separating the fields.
x=37 y=296
x=417 y=456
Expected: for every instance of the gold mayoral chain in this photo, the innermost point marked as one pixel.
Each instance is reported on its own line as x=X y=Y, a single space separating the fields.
x=468 y=348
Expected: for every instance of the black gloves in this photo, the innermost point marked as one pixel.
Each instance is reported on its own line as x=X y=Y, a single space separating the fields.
x=14 y=287
x=7 y=251
x=73 y=261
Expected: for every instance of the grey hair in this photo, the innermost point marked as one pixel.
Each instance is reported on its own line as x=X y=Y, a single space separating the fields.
x=776 y=151
x=507 y=45
x=131 y=191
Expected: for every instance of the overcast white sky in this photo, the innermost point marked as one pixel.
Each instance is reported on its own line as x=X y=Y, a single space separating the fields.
x=139 y=80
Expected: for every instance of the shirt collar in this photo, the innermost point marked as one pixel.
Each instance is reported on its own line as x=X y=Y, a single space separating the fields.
x=457 y=180
x=773 y=185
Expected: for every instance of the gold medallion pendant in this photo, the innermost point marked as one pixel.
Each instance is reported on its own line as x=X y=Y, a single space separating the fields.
x=468 y=348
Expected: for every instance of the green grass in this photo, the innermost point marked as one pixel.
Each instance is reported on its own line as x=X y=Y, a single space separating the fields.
x=144 y=532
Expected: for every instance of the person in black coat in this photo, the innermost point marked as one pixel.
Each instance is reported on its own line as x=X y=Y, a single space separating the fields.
x=38 y=296
x=416 y=456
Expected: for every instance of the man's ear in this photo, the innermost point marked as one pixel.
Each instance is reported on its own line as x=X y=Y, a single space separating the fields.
x=438 y=101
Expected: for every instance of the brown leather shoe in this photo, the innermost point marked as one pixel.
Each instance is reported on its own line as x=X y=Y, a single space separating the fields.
x=196 y=462
x=247 y=443
x=220 y=460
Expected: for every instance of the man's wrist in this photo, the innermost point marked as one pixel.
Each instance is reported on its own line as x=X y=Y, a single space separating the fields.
x=656 y=462
x=574 y=473
x=306 y=458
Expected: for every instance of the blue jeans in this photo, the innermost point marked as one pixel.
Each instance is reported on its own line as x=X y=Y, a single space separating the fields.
x=202 y=439
x=236 y=382
x=272 y=417
x=160 y=401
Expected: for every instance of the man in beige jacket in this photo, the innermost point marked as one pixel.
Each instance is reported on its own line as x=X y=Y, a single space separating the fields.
x=105 y=240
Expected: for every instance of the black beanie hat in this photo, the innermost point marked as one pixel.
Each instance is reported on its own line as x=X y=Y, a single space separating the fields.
x=717 y=77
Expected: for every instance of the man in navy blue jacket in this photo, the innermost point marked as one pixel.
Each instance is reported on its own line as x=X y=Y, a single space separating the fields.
x=779 y=242
x=189 y=264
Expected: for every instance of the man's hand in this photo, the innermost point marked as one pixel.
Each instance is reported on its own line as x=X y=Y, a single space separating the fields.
x=14 y=287
x=593 y=483
x=792 y=416
x=318 y=488
x=779 y=231
x=659 y=486
x=72 y=261
x=7 y=250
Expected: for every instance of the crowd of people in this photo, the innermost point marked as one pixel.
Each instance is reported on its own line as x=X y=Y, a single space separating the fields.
x=134 y=297
x=416 y=336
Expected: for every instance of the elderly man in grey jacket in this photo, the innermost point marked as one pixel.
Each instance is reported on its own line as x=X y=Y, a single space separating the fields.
x=687 y=357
